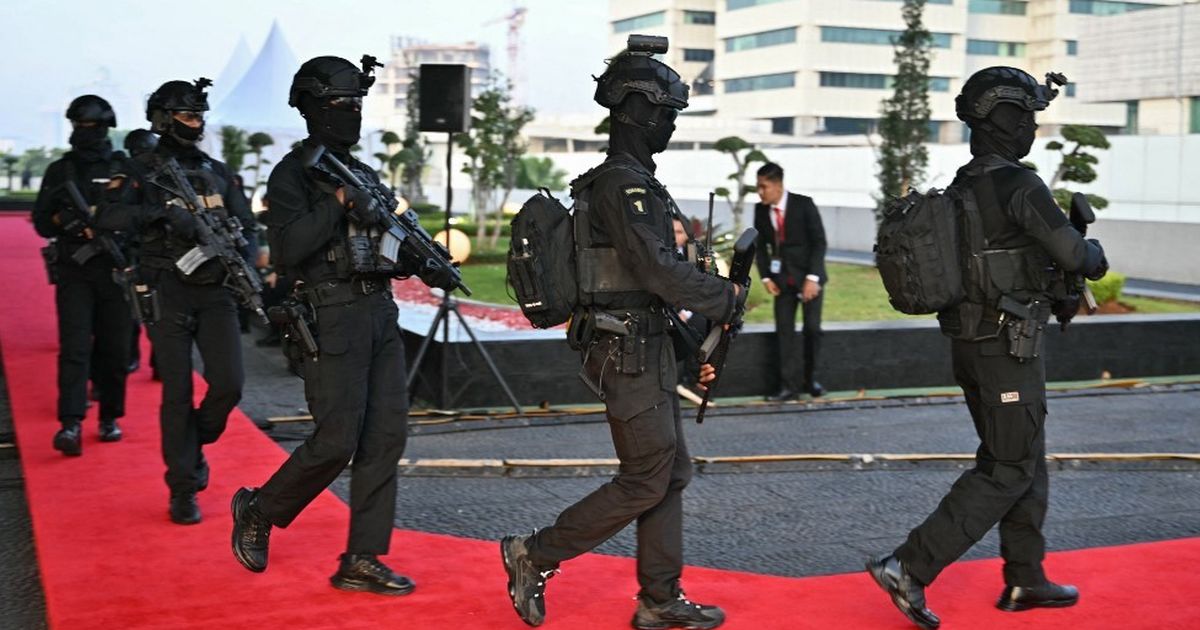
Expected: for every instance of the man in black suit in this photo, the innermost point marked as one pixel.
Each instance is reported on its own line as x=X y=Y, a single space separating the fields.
x=791 y=262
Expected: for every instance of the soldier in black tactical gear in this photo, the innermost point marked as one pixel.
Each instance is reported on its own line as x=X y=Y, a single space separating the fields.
x=94 y=320
x=997 y=356
x=325 y=234
x=193 y=308
x=621 y=329
x=138 y=142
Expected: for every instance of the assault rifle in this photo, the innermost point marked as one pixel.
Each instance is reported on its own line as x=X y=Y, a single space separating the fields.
x=100 y=242
x=1076 y=286
x=404 y=235
x=217 y=238
x=715 y=348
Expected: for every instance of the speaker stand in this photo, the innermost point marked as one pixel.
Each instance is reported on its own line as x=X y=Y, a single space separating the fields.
x=442 y=318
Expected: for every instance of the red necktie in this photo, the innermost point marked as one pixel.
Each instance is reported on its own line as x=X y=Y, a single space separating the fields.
x=778 y=224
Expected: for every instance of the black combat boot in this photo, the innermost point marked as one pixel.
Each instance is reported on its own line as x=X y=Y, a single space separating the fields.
x=251 y=530
x=526 y=582
x=676 y=613
x=109 y=431
x=907 y=593
x=1048 y=595
x=184 y=510
x=364 y=572
x=68 y=439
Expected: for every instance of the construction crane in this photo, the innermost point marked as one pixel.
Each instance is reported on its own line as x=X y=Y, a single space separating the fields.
x=515 y=20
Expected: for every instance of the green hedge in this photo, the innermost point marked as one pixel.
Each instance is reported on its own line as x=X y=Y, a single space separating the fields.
x=1108 y=288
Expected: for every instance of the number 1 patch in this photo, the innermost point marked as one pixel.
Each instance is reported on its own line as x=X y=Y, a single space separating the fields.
x=639 y=207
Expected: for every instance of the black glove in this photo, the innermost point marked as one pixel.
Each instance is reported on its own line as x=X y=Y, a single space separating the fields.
x=1100 y=269
x=182 y=221
x=363 y=209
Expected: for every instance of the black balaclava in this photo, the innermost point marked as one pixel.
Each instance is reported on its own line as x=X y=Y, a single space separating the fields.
x=1007 y=132
x=641 y=129
x=185 y=135
x=335 y=127
x=91 y=143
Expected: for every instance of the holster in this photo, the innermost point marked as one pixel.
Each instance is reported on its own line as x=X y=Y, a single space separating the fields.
x=1024 y=327
x=143 y=298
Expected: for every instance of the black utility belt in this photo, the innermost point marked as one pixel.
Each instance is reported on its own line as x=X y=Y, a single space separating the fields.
x=332 y=292
x=641 y=322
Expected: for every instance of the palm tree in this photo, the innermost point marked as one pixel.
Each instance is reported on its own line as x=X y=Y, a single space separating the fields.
x=257 y=142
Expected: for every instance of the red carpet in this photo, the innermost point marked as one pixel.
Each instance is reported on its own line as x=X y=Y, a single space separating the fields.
x=110 y=559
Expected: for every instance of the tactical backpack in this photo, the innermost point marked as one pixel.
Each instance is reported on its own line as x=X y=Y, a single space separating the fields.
x=929 y=250
x=553 y=266
x=541 y=261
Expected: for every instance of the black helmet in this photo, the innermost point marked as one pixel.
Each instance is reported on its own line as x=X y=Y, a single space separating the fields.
x=326 y=77
x=1001 y=84
x=140 y=141
x=634 y=70
x=91 y=108
x=175 y=96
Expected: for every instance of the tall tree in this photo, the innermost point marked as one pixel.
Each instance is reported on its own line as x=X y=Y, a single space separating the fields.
x=494 y=147
x=10 y=167
x=257 y=142
x=744 y=154
x=415 y=149
x=904 y=126
x=233 y=147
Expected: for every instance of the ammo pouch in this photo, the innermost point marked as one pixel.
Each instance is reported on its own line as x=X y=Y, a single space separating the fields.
x=50 y=258
x=1023 y=327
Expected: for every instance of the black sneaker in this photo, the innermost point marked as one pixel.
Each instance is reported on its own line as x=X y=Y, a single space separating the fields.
x=1048 y=595
x=68 y=440
x=676 y=613
x=251 y=531
x=908 y=594
x=526 y=583
x=110 y=431
x=364 y=572
x=184 y=510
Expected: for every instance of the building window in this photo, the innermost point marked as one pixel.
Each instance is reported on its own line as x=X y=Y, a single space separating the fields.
x=783 y=126
x=935 y=131
x=733 y=5
x=1107 y=7
x=874 y=81
x=1194 y=124
x=699 y=17
x=759 y=40
x=1131 y=118
x=1072 y=47
x=997 y=7
x=997 y=49
x=640 y=22
x=1070 y=90
x=873 y=36
x=761 y=82
x=848 y=126
x=697 y=54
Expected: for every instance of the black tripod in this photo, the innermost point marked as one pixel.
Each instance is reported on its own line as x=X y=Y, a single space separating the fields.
x=450 y=305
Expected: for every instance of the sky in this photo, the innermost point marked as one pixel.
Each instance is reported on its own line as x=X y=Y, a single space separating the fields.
x=53 y=50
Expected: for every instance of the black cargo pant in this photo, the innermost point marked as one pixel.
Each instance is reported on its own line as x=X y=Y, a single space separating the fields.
x=786 y=305
x=206 y=315
x=654 y=469
x=94 y=327
x=356 y=393
x=1009 y=484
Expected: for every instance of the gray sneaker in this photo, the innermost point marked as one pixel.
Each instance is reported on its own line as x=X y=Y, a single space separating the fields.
x=526 y=583
x=676 y=613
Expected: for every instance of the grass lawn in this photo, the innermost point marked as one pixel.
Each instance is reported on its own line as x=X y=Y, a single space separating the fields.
x=853 y=293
